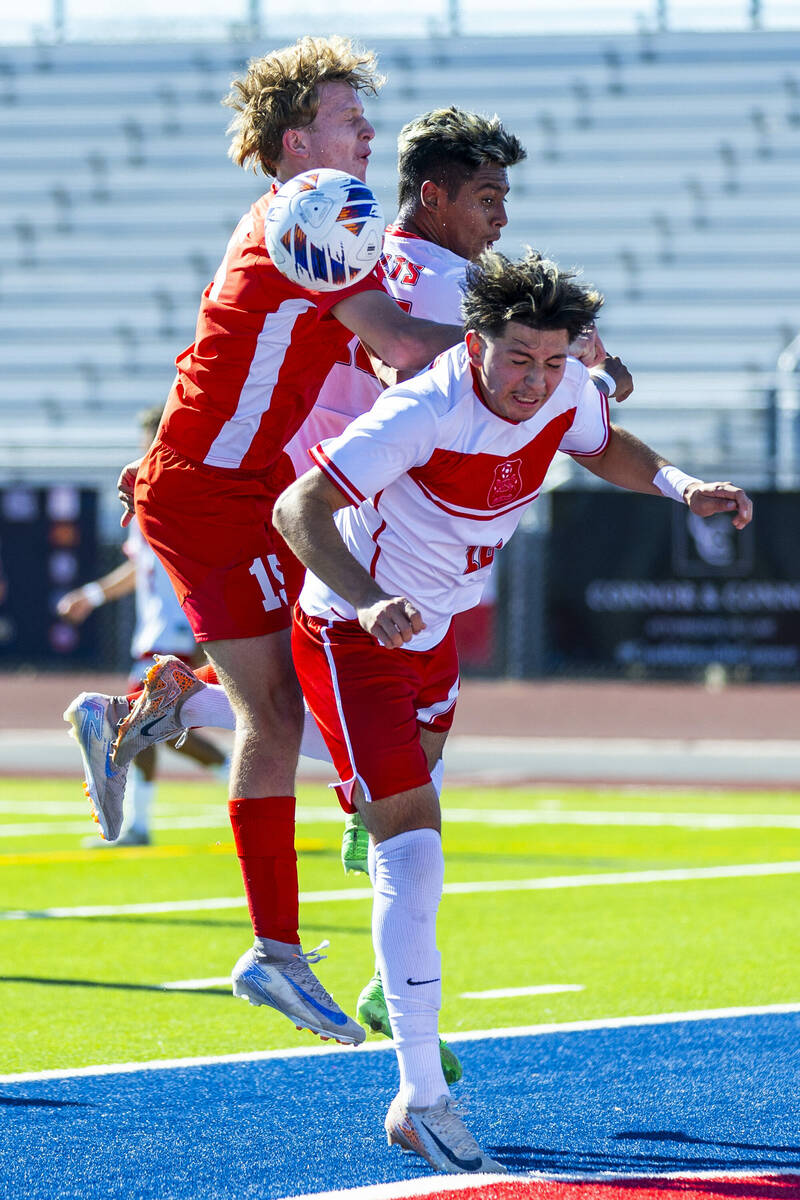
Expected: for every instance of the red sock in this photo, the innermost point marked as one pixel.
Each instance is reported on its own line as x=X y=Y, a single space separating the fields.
x=263 y=830
x=207 y=674
x=135 y=694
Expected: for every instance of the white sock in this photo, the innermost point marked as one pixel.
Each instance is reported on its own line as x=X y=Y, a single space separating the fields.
x=138 y=803
x=313 y=743
x=408 y=879
x=210 y=706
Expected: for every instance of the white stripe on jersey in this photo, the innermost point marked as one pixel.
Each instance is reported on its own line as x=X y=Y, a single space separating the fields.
x=236 y=435
x=449 y=480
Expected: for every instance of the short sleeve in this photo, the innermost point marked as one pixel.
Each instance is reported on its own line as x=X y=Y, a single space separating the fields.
x=588 y=434
x=399 y=432
x=325 y=301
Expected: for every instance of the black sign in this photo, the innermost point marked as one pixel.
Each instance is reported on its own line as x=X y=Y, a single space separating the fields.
x=48 y=545
x=640 y=585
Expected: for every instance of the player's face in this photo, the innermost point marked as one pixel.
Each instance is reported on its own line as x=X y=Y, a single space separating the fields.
x=340 y=134
x=473 y=220
x=520 y=370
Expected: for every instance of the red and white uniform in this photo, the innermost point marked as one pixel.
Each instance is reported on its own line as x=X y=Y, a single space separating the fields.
x=262 y=350
x=204 y=494
x=426 y=281
x=438 y=482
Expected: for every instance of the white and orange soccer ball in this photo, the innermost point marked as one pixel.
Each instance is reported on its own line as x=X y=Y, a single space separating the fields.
x=324 y=230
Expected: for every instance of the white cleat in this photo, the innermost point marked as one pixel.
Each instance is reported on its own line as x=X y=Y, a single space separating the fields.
x=155 y=714
x=439 y=1136
x=94 y=719
x=290 y=986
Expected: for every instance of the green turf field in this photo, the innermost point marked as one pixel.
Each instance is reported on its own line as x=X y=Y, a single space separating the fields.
x=88 y=989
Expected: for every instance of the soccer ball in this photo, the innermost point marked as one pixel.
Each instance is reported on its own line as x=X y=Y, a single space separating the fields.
x=324 y=230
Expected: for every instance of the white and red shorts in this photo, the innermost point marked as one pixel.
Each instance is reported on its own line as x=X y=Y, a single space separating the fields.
x=233 y=574
x=370 y=701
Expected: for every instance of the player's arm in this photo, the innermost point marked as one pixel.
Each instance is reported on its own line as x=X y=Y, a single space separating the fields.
x=398 y=339
x=76 y=606
x=303 y=516
x=631 y=464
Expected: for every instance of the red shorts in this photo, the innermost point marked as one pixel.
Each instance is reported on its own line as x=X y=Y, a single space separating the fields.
x=233 y=574
x=369 y=702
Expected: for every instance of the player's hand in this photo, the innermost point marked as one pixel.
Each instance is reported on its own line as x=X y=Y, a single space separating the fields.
x=588 y=347
x=622 y=377
x=392 y=622
x=705 y=499
x=74 y=607
x=125 y=485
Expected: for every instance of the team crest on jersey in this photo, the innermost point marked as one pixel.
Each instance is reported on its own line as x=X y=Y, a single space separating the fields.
x=507 y=483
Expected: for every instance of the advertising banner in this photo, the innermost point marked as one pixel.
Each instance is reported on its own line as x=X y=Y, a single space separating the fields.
x=48 y=545
x=639 y=585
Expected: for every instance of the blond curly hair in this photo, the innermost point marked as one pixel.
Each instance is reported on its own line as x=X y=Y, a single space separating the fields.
x=280 y=91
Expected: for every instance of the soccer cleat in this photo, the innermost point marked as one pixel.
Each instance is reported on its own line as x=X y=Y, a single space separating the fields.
x=372 y=1011
x=94 y=719
x=438 y=1135
x=290 y=986
x=355 y=843
x=155 y=715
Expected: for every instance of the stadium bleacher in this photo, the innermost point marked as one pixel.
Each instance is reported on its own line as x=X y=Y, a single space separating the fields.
x=667 y=168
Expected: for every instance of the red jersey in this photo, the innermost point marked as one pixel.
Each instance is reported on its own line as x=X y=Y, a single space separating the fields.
x=263 y=347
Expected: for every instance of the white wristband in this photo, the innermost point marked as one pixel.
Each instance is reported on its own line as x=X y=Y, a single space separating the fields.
x=601 y=376
x=673 y=482
x=93 y=594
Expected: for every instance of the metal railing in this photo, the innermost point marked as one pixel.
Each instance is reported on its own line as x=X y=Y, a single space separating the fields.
x=47 y=21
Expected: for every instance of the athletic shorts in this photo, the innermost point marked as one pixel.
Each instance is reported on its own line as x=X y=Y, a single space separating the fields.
x=370 y=701
x=233 y=574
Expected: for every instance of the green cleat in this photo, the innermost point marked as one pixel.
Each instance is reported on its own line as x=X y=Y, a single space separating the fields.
x=371 y=1011
x=355 y=843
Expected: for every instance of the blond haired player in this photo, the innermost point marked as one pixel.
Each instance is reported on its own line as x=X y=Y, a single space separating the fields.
x=204 y=492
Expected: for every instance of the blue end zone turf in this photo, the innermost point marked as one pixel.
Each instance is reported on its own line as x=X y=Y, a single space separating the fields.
x=711 y=1095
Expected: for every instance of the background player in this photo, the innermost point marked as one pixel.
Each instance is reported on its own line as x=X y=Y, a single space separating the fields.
x=160 y=628
x=447 y=461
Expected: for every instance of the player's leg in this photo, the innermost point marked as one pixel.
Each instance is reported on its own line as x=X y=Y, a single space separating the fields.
x=379 y=757
x=259 y=677
x=407 y=872
x=371 y=1007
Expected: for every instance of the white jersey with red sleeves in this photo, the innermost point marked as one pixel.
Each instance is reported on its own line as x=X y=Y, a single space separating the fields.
x=262 y=350
x=161 y=627
x=427 y=281
x=438 y=482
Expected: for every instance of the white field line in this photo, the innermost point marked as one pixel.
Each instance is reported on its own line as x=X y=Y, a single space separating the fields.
x=434 y=1185
x=216 y=818
x=544 y=883
x=475 y=1035
x=542 y=989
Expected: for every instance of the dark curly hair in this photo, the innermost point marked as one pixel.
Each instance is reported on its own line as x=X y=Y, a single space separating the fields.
x=532 y=291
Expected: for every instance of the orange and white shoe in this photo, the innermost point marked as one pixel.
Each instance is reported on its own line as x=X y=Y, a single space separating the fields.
x=438 y=1135
x=94 y=719
x=155 y=714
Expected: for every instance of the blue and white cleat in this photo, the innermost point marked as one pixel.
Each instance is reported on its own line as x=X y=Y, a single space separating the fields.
x=438 y=1135
x=94 y=719
x=291 y=987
